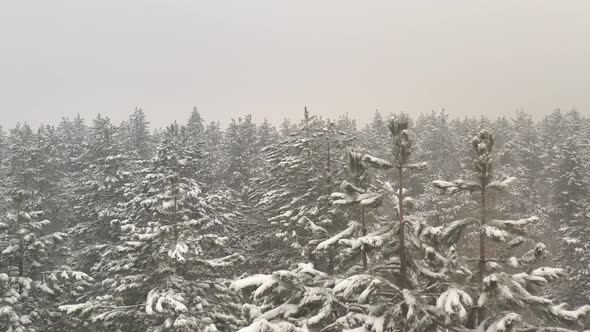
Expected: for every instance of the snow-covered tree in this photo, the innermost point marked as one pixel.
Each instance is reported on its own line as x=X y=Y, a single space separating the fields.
x=32 y=282
x=401 y=149
x=287 y=128
x=22 y=171
x=504 y=285
x=570 y=184
x=240 y=149
x=293 y=193
x=3 y=150
x=72 y=141
x=409 y=270
x=195 y=127
x=164 y=274
x=437 y=142
x=357 y=194
x=267 y=134
x=368 y=299
x=215 y=160
x=572 y=191
x=299 y=300
x=375 y=136
x=138 y=139
x=99 y=194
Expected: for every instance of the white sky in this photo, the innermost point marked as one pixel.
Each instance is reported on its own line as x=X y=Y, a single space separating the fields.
x=271 y=57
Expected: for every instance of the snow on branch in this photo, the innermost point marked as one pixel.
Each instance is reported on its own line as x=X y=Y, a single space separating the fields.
x=350 y=188
x=504 y=324
x=264 y=326
x=534 y=254
x=356 y=284
x=452 y=231
x=456 y=186
x=163 y=301
x=453 y=303
x=229 y=260
x=353 y=226
x=495 y=234
x=429 y=273
x=368 y=241
x=501 y=185
x=377 y=162
x=250 y=282
x=561 y=312
x=549 y=273
x=513 y=226
x=417 y=167
x=370 y=199
x=283 y=310
x=410 y=301
x=308 y=271
x=340 y=199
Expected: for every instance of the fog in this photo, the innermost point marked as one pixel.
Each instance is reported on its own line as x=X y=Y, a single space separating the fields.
x=271 y=58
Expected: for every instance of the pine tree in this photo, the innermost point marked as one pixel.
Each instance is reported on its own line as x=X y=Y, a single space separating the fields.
x=571 y=199
x=366 y=299
x=293 y=194
x=293 y=301
x=21 y=171
x=195 y=127
x=3 y=150
x=565 y=183
x=240 y=149
x=99 y=193
x=164 y=275
x=501 y=295
x=32 y=283
x=356 y=194
x=215 y=158
x=267 y=134
x=436 y=142
x=375 y=136
x=287 y=128
x=401 y=151
x=72 y=143
x=139 y=142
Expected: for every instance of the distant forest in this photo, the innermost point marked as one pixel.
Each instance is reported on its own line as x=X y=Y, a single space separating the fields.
x=430 y=223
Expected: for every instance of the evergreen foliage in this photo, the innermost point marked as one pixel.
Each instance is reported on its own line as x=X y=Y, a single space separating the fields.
x=313 y=225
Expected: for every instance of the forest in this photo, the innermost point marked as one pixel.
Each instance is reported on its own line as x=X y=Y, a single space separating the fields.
x=426 y=223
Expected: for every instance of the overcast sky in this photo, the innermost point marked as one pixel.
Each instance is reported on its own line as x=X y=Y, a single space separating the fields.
x=271 y=57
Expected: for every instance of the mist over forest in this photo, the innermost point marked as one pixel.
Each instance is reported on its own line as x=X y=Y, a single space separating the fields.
x=426 y=223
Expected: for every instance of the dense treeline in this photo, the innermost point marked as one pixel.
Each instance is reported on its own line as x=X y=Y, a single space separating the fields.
x=426 y=224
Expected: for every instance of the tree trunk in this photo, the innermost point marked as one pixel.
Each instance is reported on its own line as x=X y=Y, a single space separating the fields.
x=482 y=238
x=364 y=251
x=21 y=251
x=482 y=248
x=402 y=238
